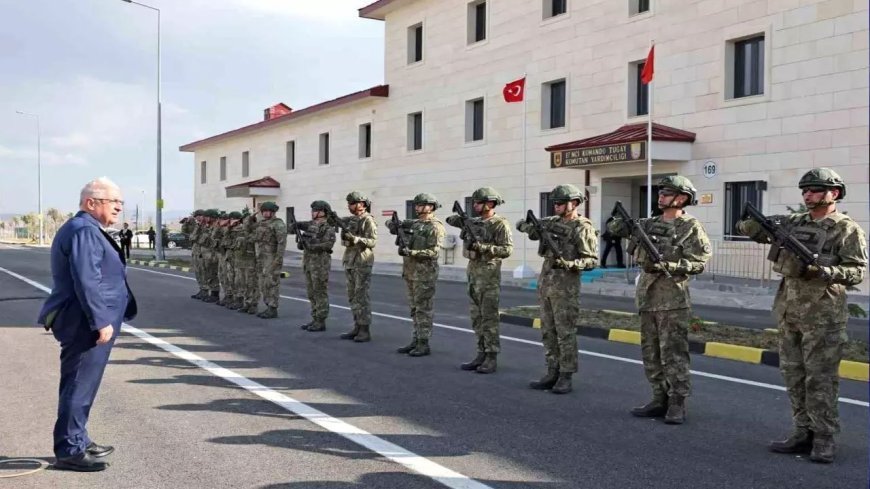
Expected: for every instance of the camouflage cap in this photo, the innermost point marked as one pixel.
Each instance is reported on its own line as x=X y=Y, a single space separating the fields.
x=269 y=206
x=321 y=205
x=212 y=213
x=823 y=177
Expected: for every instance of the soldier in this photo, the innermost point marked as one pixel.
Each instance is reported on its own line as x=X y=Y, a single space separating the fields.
x=244 y=258
x=420 y=268
x=662 y=300
x=208 y=248
x=359 y=240
x=318 y=238
x=193 y=230
x=490 y=244
x=228 y=244
x=222 y=239
x=810 y=307
x=559 y=284
x=271 y=238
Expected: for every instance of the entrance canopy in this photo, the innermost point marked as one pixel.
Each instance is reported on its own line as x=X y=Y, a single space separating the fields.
x=264 y=187
x=628 y=144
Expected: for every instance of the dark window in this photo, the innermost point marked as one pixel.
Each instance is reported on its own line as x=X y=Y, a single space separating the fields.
x=749 y=67
x=480 y=22
x=365 y=141
x=557 y=104
x=642 y=6
x=410 y=213
x=202 y=172
x=736 y=194
x=324 y=148
x=469 y=208
x=417 y=49
x=223 y=168
x=246 y=164
x=415 y=130
x=477 y=120
x=641 y=211
x=559 y=7
x=642 y=90
x=546 y=209
x=290 y=210
x=291 y=155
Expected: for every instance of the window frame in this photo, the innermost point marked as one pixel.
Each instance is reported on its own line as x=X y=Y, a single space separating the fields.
x=223 y=168
x=365 y=141
x=755 y=64
x=416 y=43
x=734 y=195
x=547 y=104
x=290 y=155
x=246 y=164
x=203 y=172
x=323 y=153
x=548 y=8
x=477 y=27
x=475 y=124
x=415 y=144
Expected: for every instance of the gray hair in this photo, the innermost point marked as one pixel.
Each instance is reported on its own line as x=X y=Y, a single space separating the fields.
x=97 y=189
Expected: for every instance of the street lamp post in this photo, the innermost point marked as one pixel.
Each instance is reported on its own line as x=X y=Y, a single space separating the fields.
x=158 y=197
x=38 y=174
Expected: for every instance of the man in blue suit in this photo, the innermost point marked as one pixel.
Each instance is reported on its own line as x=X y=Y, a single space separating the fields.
x=89 y=301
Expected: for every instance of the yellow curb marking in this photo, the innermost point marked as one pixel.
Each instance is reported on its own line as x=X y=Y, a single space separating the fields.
x=733 y=352
x=536 y=323
x=854 y=370
x=624 y=336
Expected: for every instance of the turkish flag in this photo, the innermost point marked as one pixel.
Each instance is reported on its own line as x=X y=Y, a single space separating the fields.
x=646 y=76
x=515 y=91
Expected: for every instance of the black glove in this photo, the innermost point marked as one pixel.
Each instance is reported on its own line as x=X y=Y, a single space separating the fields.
x=404 y=252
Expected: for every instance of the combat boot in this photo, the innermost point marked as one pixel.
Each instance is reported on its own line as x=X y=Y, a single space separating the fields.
x=252 y=309
x=350 y=334
x=547 y=381
x=656 y=408
x=269 y=313
x=229 y=301
x=799 y=441
x=489 y=364
x=221 y=301
x=198 y=295
x=212 y=298
x=410 y=346
x=563 y=385
x=472 y=365
x=421 y=349
x=317 y=326
x=823 y=449
x=307 y=325
x=676 y=410
x=235 y=305
x=364 y=334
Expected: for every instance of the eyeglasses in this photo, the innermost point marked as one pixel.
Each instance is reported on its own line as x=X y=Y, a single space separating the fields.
x=113 y=201
x=560 y=202
x=667 y=192
x=814 y=190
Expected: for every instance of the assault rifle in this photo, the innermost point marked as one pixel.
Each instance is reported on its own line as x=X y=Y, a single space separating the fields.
x=467 y=231
x=545 y=235
x=295 y=228
x=783 y=239
x=401 y=238
x=336 y=221
x=639 y=235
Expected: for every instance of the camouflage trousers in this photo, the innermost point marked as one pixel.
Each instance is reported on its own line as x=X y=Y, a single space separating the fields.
x=210 y=281
x=559 y=295
x=196 y=264
x=421 y=298
x=245 y=285
x=226 y=274
x=358 y=282
x=484 y=287
x=269 y=279
x=316 y=266
x=664 y=341
x=809 y=359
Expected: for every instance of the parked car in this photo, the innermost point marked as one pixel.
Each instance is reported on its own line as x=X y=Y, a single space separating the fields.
x=115 y=234
x=177 y=240
x=140 y=239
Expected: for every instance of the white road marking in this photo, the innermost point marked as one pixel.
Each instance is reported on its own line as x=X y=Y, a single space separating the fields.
x=390 y=451
x=699 y=373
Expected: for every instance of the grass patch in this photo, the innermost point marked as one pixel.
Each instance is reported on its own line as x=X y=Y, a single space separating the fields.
x=700 y=330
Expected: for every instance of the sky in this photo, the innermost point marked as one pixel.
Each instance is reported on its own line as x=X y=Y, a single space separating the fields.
x=88 y=68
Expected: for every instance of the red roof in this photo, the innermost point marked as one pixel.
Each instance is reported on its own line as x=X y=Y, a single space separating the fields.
x=378 y=91
x=629 y=133
x=265 y=182
x=371 y=11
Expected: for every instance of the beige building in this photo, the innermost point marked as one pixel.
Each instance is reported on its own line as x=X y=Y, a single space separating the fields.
x=747 y=96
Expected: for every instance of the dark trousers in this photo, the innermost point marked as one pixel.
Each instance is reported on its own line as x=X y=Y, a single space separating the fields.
x=151 y=243
x=82 y=363
x=611 y=244
x=125 y=248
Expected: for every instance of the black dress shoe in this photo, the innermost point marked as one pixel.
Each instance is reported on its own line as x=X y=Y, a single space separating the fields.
x=99 y=451
x=82 y=462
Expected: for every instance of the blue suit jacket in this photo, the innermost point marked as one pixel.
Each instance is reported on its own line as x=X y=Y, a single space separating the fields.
x=90 y=280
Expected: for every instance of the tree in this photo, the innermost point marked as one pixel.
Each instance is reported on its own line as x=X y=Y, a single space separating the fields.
x=56 y=218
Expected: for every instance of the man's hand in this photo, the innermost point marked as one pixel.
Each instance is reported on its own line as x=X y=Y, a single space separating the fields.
x=562 y=264
x=816 y=271
x=105 y=334
x=404 y=252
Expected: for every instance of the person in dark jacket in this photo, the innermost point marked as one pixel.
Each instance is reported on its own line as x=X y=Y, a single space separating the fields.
x=152 y=235
x=126 y=236
x=611 y=242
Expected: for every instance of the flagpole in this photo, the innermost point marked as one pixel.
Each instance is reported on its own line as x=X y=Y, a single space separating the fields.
x=525 y=241
x=649 y=168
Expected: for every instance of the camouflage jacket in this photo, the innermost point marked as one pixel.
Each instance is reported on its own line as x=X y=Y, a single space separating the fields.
x=493 y=236
x=685 y=249
x=195 y=232
x=576 y=240
x=359 y=253
x=220 y=239
x=318 y=236
x=271 y=237
x=244 y=248
x=228 y=243
x=842 y=248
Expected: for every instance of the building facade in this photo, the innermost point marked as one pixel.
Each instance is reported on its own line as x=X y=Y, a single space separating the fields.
x=747 y=95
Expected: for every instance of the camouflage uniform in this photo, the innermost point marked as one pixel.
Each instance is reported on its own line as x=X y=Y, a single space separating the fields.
x=357 y=262
x=811 y=310
x=493 y=244
x=233 y=231
x=318 y=238
x=222 y=240
x=420 y=271
x=193 y=229
x=244 y=258
x=271 y=238
x=209 y=255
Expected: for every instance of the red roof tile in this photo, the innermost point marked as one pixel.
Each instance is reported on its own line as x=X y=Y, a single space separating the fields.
x=378 y=91
x=265 y=182
x=628 y=134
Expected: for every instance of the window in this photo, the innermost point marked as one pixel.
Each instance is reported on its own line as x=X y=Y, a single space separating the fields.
x=638 y=6
x=223 y=168
x=324 y=148
x=638 y=92
x=415 y=43
x=202 y=172
x=553 y=105
x=749 y=67
x=246 y=164
x=736 y=194
x=410 y=213
x=415 y=131
x=553 y=8
x=469 y=208
x=290 y=155
x=474 y=120
x=290 y=211
x=546 y=206
x=476 y=21
x=641 y=205
x=365 y=140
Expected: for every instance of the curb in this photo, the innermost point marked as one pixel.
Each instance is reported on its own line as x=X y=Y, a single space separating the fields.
x=848 y=369
x=154 y=264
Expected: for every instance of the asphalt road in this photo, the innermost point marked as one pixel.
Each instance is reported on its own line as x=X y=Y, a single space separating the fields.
x=318 y=412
